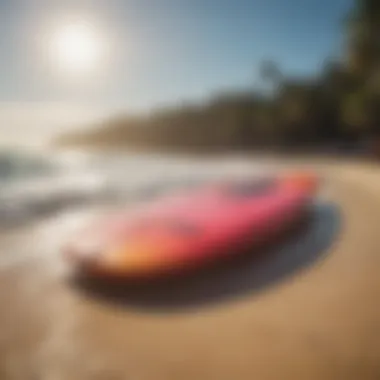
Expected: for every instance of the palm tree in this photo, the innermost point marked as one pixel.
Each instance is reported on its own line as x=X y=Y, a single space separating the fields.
x=271 y=74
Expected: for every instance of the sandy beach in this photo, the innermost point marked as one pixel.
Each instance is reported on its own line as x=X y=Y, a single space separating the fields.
x=321 y=321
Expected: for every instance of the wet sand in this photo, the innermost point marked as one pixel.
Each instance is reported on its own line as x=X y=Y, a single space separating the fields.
x=322 y=321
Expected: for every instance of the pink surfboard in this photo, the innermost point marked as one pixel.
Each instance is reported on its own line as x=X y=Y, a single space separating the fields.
x=191 y=228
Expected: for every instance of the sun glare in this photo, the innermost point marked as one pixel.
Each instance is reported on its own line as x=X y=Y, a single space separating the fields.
x=76 y=48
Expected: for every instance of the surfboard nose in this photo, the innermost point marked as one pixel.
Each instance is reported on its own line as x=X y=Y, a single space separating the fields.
x=304 y=181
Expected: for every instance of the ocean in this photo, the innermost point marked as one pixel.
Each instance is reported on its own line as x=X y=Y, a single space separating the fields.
x=40 y=184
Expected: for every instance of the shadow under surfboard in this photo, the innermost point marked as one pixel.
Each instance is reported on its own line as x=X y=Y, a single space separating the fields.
x=247 y=273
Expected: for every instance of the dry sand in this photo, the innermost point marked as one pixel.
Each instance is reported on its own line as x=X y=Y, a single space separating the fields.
x=320 y=322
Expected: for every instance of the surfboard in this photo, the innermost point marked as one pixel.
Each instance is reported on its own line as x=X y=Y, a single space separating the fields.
x=191 y=228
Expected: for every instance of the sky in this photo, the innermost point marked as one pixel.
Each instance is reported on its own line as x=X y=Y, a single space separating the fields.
x=153 y=53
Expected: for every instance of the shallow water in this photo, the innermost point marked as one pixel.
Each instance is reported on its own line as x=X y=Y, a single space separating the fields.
x=35 y=186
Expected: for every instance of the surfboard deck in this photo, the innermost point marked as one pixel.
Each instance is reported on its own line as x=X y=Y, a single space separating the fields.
x=191 y=228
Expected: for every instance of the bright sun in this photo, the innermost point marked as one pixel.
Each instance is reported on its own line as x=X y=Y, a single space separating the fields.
x=76 y=48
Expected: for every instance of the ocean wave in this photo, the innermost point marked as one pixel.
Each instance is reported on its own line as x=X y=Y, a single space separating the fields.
x=33 y=186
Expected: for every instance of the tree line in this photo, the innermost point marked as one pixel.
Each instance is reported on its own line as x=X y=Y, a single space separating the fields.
x=340 y=104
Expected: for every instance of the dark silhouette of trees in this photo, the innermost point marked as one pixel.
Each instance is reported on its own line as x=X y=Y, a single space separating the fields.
x=342 y=103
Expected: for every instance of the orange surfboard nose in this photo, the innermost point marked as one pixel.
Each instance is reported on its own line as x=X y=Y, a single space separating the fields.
x=308 y=182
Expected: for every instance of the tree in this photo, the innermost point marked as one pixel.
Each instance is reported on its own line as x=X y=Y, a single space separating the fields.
x=271 y=75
